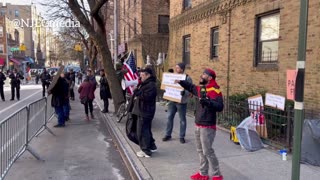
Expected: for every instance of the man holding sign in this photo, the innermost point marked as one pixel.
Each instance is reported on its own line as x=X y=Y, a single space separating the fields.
x=181 y=107
x=211 y=102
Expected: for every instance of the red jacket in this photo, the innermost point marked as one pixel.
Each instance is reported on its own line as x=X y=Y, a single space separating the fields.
x=87 y=89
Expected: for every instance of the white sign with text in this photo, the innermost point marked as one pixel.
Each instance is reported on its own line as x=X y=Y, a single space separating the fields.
x=255 y=102
x=169 y=78
x=275 y=101
x=172 y=94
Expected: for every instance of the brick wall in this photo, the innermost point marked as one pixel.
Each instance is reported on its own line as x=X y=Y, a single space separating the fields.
x=243 y=75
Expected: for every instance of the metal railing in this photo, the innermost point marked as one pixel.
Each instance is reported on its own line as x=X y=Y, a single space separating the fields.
x=17 y=131
x=279 y=124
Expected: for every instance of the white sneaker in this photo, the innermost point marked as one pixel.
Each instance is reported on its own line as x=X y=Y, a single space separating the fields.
x=142 y=154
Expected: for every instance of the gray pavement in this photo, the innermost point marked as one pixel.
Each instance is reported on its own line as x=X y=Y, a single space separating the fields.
x=80 y=151
x=178 y=161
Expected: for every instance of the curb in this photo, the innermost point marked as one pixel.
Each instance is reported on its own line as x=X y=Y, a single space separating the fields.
x=133 y=163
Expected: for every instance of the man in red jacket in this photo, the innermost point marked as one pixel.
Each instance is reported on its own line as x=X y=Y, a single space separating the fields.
x=211 y=102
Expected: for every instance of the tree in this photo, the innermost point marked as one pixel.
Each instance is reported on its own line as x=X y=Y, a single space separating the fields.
x=92 y=18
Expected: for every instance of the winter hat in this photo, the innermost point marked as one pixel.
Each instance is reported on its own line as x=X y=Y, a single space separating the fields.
x=210 y=72
x=182 y=65
x=148 y=70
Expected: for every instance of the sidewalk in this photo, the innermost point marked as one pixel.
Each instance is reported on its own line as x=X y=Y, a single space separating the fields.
x=178 y=161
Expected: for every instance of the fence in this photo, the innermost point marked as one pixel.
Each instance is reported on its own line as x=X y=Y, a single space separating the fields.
x=17 y=131
x=279 y=124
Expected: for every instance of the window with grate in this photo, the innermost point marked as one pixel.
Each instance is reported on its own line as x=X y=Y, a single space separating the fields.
x=186 y=49
x=267 y=38
x=186 y=4
x=214 y=42
x=163 y=24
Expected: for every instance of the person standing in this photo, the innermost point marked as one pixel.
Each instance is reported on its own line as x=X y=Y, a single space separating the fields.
x=173 y=107
x=2 y=79
x=15 y=84
x=210 y=102
x=143 y=110
x=45 y=81
x=105 y=93
x=72 y=80
x=86 y=91
x=79 y=75
x=58 y=100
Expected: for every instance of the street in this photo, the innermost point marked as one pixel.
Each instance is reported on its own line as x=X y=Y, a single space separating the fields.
x=81 y=150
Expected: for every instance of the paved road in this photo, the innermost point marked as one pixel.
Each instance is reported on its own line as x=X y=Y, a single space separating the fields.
x=80 y=151
x=28 y=94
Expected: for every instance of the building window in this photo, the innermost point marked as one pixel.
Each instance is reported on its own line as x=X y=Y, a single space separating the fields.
x=214 y=42
x=163 y=24
x=186 y=4
x=1 y=48
x=186 y=49
x=2 y=12
x=267 y=43
x=16 y=13
x=1 y=31
x=135 y=26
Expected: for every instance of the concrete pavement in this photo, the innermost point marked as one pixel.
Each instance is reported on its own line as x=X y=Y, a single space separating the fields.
x=178 y=161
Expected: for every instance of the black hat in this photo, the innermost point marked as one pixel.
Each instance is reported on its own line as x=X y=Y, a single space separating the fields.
x=182 y=65
x=147 y=70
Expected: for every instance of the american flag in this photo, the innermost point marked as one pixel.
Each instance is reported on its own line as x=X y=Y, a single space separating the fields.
x=132 y=74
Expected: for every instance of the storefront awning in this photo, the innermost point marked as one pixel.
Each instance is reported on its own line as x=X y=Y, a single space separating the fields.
x=2 y=61
x=29 y=59
x=15 y=61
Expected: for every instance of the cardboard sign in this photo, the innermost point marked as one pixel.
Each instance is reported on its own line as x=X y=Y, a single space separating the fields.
x=172 y=94
x=255 y=102
x=169 y=78
x=291 y=82
x=275 y=101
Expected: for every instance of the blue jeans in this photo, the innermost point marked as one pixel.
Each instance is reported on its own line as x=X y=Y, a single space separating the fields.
x=173 y=107
x=60 y=113
x=66 y=109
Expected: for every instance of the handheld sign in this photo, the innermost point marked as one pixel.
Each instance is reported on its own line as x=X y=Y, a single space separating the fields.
x=172 y=90
x=275 y=101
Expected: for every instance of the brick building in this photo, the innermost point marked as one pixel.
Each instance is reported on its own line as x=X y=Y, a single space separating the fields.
x=143 y=28
x=249 y=43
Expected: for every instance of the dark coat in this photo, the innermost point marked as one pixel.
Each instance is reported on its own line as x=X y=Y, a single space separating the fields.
x=104 y=88
x=86 y=89
x=59 y=93
x=206 y=115
x=15 y=79
x=144 y=98
x=45 y=78
x=2 y=78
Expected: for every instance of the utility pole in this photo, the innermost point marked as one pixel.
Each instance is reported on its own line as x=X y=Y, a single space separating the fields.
x=115 y=32
x=299 y=90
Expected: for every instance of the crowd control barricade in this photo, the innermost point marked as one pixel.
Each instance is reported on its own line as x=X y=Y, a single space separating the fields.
x=13 y=139
x=20 y=128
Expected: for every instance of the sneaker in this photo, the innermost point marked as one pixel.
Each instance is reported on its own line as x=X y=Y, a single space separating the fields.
x=166 y=138
x=59 y=125
x=142 y=154
x=198 y=176
x=92 y=116
x=182 y=140
x=217 y=178
x=153 y=148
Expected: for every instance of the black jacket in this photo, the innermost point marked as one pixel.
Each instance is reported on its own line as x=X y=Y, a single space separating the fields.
x=45 y=78
x=15 y=79
x=59 y=93
x=2 y=78
x=206 y=115
x=104 y=88
x=144 y=98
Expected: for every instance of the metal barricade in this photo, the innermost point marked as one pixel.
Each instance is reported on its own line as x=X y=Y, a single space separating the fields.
x=50 y=109
x=37 y=117
x=13 y=139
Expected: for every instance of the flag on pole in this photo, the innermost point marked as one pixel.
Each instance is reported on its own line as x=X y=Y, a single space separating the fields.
x=132 y=74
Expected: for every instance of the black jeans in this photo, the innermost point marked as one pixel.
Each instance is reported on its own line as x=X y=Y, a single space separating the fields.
x=71 y=93
x=17 y=88
x=106 y=104
x=88 y=106
x=146 y=140
x=1 y=92
x=44 y=86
